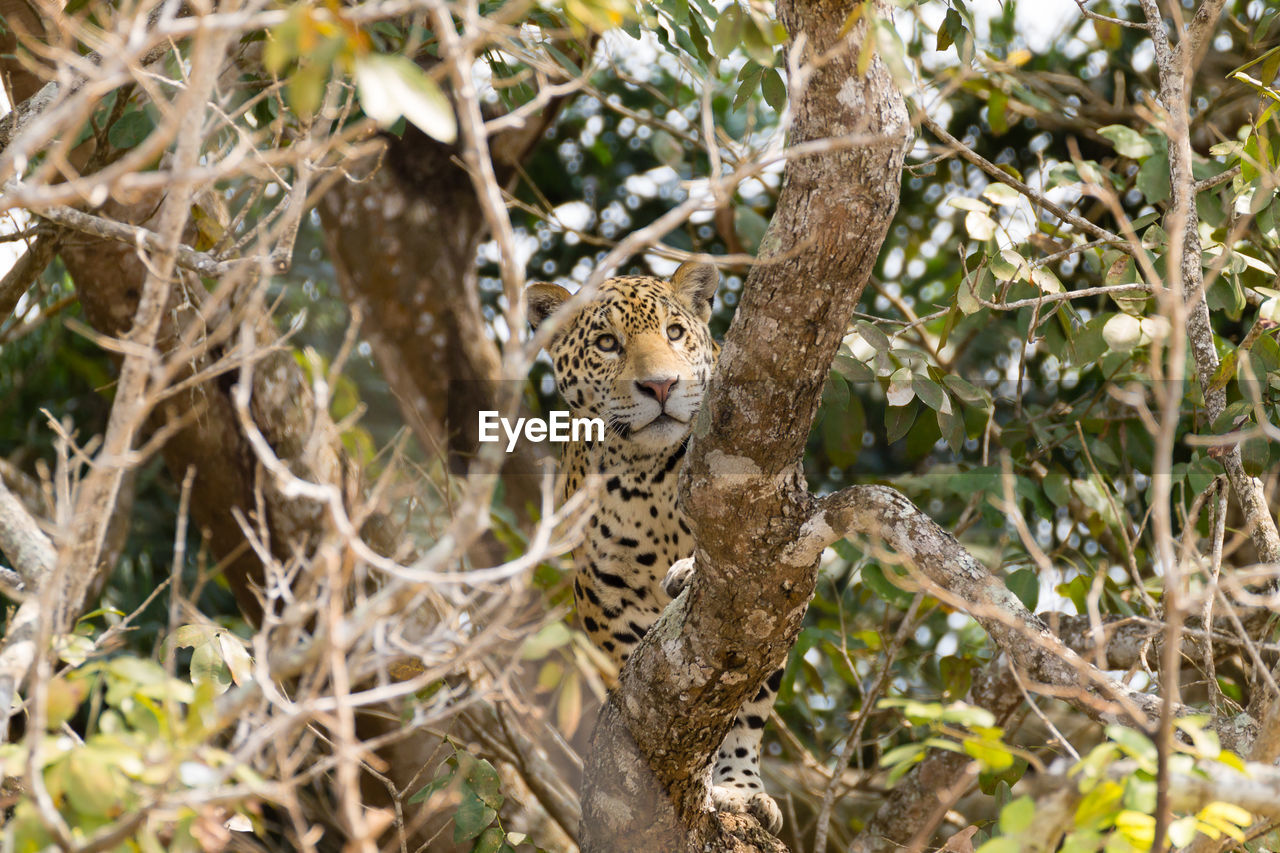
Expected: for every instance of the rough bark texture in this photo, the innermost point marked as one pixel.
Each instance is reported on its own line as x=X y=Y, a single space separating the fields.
x=403 y=242
x=107 y=275
x=646 y=786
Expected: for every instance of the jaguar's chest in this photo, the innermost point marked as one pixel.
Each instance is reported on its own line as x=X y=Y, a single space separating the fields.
x=634 y=533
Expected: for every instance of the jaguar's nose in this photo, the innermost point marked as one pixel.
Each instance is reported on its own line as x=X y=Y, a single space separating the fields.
x=659 y=389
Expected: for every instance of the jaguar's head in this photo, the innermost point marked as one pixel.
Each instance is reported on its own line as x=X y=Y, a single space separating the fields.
x=638 y=355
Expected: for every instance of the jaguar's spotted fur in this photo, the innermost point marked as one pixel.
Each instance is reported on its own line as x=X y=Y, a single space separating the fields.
x=639 y=356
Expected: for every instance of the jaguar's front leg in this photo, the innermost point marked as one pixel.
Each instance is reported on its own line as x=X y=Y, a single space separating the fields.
x=678 y=577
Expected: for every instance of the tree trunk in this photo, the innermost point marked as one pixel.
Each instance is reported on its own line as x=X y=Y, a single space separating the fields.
x=403 y=243
x=646 y=786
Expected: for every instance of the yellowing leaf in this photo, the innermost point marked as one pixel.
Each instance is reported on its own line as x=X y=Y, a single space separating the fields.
x=569 y=708
x=1138 y=828
x=1044 y=279
x=1221 y=813
x=1122 y=332
x=1183 y=831
x=236 y=658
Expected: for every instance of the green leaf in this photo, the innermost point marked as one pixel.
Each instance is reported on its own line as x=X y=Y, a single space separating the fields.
x=553 y=635
x=1127 y=141
x=1099 y=806
x=930 y=393
x=967 y=392
x=957 y=674
x=1135 y=744
x=63 y=700
x=699 y=39
x=1089 y=345
x=93 y=786
x=750 y=83
x=728 y=31
x=483 y=779
x=755 y=43
x=1001 y=845
x=1153 y=178
x=1025 y=584
x=998 y=112
x=130 y=129
x=898 y=421
x=878 y=581
x=1201 y=472
x=472 y=817
x=970 y=716
x=774 y=90
x=443 y=779
x=207 y=667
x=750 y=227
x=901 y=759
x=1255 y=456
x=1057 y=487
x=874 y=336
x=951 y=427
x=305 y=89
x=1076 y=589
x=944 y=37
x=852 y=370
x=842 y=433
x=667 y=149
x=954 y=29
x=1018 y=816
x=490 y=841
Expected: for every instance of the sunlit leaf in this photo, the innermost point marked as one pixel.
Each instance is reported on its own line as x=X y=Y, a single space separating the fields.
x=393 y=86
x=1127 y=141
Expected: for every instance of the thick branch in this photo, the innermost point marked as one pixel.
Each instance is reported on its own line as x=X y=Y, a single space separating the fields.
x=97 y=226
x=21 y=539
x=18 y=279
x=952 y=573
x=646 y=785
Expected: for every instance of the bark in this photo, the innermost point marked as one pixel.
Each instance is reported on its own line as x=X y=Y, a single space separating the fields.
x=211 y=442
x=109 y=276
x=403 y=242
x=1175 y=66
x=646 y=775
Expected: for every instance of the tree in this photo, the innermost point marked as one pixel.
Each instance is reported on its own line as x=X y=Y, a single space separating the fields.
x=1047 y=503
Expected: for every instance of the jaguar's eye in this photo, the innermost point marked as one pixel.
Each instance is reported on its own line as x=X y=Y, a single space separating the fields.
x=675 y=331
x=607 y=343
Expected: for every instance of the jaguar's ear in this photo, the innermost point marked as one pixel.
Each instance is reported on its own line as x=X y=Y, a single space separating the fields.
x=543 y=299
x=696 y=282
